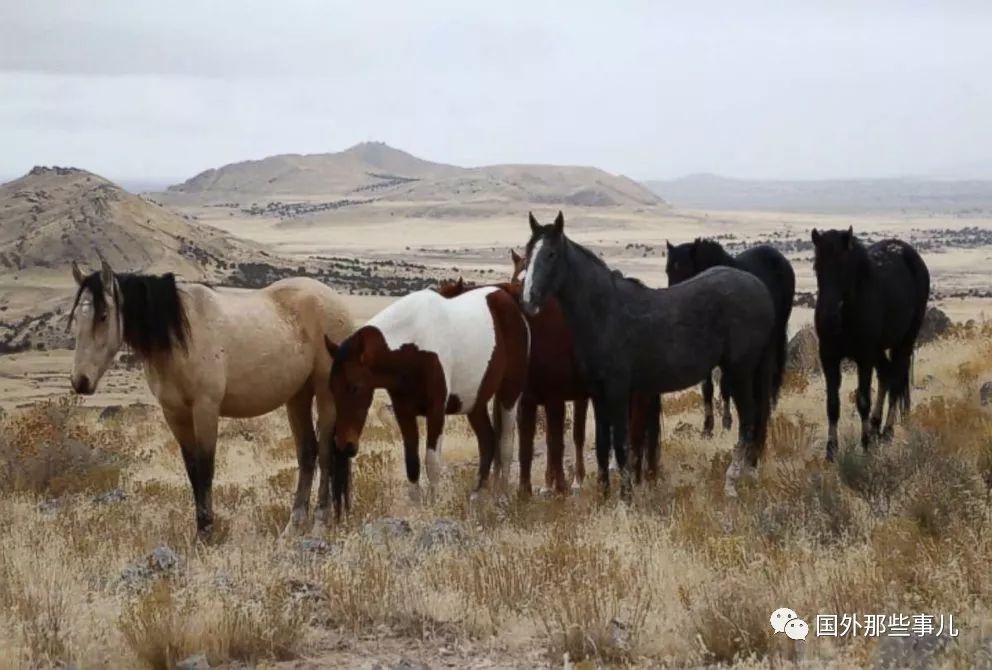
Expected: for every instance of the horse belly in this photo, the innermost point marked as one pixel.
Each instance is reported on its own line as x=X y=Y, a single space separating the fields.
x=470 y=362
x=265 y=367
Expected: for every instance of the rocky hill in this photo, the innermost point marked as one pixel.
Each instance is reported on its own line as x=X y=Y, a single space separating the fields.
x=373 y=171
x=52 y=216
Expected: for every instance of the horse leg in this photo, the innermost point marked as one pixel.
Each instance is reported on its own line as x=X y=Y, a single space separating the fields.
x=554 y=411
x=482 y=426
x=725 y=390
x=505 y=414
x=653 y=437
x=579 y=410
x=196 y=433
x=526 y=424
x=707 y=405
x=435 y=430
x=602 y=442
x=326 y=415
x=299 y=413
x=883 y=371
x=406 y=419
x=863 y=398
x=638 y=418
x=831 y=375
x=620 y=406
x=742 y=391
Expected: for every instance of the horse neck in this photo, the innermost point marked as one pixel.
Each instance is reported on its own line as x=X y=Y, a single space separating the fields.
x=582 y=286
x=715 y=255
x=862 y=267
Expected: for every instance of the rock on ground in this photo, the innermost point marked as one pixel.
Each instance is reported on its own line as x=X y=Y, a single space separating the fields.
x=803 y=352
x=442 y=533
x=935 y=324
x=985 y=394
x=910 y=653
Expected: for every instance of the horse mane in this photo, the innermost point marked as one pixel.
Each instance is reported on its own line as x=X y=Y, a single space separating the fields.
x=153 y=315
x=614 y=273
x=709 y=253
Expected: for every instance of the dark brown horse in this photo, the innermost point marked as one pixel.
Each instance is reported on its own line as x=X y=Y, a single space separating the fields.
x=434 y=356
x=552 y=380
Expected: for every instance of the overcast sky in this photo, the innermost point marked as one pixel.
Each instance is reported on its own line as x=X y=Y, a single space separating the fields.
x=136 y=89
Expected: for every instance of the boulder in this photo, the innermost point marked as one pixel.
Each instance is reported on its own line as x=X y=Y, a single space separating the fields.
x=442 y=533
x=803 y=352
x=935 y=324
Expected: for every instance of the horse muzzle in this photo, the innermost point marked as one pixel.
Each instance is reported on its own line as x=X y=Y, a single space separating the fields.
x=82 y=385
x=529 y=308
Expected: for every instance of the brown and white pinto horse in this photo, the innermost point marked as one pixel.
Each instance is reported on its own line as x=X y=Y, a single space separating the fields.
x=552 y=380
x=433 y=356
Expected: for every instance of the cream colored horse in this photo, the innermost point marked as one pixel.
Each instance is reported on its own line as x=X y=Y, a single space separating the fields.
x=208 y=354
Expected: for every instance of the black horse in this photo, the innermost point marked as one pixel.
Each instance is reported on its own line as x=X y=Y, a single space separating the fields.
x=767 y=264
x=869 y=300
x=631 y=339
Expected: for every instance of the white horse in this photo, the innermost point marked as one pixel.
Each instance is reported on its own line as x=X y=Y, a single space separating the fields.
x=208 y=354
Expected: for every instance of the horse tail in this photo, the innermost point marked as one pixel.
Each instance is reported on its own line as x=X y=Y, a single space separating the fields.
x=780 y=333
x=763 y=396
x=900 y=386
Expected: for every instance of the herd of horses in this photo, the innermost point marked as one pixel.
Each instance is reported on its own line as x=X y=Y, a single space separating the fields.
x=564 y=328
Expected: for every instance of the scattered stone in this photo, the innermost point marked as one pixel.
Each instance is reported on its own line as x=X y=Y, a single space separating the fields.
x=383 y=530
x=110 y=497
x=195 y=662
x=314 y=545
x=300 y=591
x=406 y=664
x=160 y=561
x=983 y=655
x=49 y=506
x=803 y=352
x=110 y=412
x=909 y=653
x=442 y=533
x=619 y=636
x=935 y=324
x=985 y=394
x=684 y=429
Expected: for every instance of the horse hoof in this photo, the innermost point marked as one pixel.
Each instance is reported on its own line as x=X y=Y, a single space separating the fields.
x=887 y=434
x=707 y=433
x=576 y=486
x=729 y=490
x=413 y=492
x=831 y=451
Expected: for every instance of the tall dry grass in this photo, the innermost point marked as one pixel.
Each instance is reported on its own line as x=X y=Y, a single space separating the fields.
x=680 y=577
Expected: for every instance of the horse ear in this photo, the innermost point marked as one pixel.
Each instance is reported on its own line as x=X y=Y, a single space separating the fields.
x=514 y=256
x=535 y=227
x=815 y=235
x=77 y=274
x=849 y=237
x=559 y=224
x=106 y=275
x=332 y=348
x=460 y=284
x=669 y=245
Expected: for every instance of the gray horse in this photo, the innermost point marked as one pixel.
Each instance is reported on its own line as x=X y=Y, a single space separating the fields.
x=633 y=339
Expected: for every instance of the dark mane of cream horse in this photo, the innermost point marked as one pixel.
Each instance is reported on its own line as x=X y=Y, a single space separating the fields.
x=208 y=354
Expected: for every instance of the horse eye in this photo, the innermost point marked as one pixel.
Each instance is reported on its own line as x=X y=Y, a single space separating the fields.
x=352 y=388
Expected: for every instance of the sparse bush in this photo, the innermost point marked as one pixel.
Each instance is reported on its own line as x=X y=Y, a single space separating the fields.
x=44 y=451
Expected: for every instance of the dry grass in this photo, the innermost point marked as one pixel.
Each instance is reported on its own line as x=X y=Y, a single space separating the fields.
x=679 y=577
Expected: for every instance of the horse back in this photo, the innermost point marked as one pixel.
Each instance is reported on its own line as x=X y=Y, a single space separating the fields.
x=898 y=288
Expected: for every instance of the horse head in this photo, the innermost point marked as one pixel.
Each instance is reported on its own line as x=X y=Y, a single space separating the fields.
x=835 y=264
x=681 y=263
x=545 y=269
x=98 y=327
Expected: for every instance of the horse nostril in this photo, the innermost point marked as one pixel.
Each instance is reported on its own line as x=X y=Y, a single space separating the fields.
x=83 y=385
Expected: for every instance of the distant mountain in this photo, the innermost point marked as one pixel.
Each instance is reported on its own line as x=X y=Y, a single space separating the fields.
x=373 y=171
x=708 y=191
x=52 y=216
